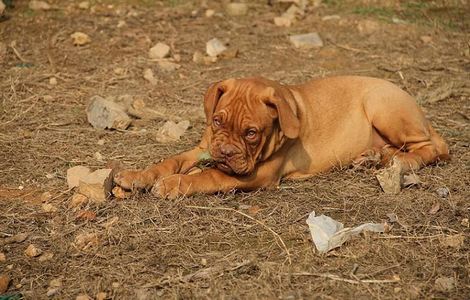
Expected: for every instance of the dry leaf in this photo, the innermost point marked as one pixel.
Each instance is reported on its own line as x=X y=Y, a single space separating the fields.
x=86 y=240
x=4 y=282
x=87 y=215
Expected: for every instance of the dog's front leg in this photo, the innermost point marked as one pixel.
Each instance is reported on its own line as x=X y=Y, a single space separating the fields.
x=213 y=180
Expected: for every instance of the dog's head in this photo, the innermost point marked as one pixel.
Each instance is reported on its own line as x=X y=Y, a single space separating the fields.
x=249 y=120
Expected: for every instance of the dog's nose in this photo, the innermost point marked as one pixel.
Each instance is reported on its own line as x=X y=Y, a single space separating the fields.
x=227 y=150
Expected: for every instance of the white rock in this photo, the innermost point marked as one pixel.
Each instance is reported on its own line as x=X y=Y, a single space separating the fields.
x=215 y=47
x=168 y=66
x=171 y=131
x=80 y=38
x=148 y=75
x=106 y=114
x=308 y=40
x=74 y=175
x=84 y=5
x=39 y=5
x=159 y=51
x=442 y=192
x=97 y=186
x=236 y=9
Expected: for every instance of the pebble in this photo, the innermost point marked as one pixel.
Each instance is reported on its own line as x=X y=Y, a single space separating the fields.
x=78 y=200
x=47 y=207
x=148 y=75
x=52 y=292
x=442 y=192
x=53 y=81
x=3 y=257
x=330 y=17
x=209 y=13
x=159 y=51
x=32 y=251
x=39 y=5
x=76 y=173
x=170 y=131
x=308 y=40
x=80 y=38
x=106 y=114
x=4 y=283
x=215 y=47
x=390 y=178
x=236 y=9
x=84 y=5
x=168 y=66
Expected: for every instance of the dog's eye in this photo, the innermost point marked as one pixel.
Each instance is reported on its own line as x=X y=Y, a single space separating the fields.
x=216 y=121
x=251 y=134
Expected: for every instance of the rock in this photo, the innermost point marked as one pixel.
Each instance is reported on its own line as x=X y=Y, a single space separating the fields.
x=53 y=81
x=54 y=283
x=4 y=283
x=199 y=58
x=148 y=75
x=444 y=284
x=453 y=241
x=86 y=215
x=46 y=256
x=168 y=66
x=308 y=40
x=98 y=156
x=390 y=178
x=101 y=296
x=283 y=21
x=3 y=257
x=159 y=51
x=215 y=47
x=121 y=24
x=47 y=207
x=100 y=142
x=236 y=9
x=426 y=39
x=84 y=5
x=39 y=5
x=229 y=53
x=465 y=222
x=411 y=180
x=97 y=186
x=86 y=240
x=17 y=238
x=442 y=192
x=46 y=196
x=120 y=193
x=170 y=131
x=52 y=292
x=78 y=200
x=76 y=173
x=209 y=13
x=106 y=114
x=80 y=38
x=32 y=251
x=83 y=297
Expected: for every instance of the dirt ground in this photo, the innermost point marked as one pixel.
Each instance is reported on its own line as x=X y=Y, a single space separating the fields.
x=226 y=246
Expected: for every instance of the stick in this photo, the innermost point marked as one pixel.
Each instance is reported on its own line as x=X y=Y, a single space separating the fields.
x=251 y=218
x=337 y=278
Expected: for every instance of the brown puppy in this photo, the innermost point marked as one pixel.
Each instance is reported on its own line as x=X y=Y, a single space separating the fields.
x=259 y=131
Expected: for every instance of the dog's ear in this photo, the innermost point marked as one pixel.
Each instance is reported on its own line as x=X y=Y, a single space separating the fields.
x=289 y=122
x=212 y=97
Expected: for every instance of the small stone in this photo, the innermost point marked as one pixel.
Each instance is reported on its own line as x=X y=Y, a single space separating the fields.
x=4 y=283
x=39 y=5
x=78 y=200
x=215 y=47
x=119 y=71
x=46 y=256
x=308 y=40
x=54 y=283
x=83 y=297
x=101 y=296
x=76 y=173
x=203 y=261
x=84 y=5
x=52 y=292
x=49 y=176
x=98 y=156
x=229 y=53
x=283 y=21
x=53 y=81
x=106 y=114
x=435 y=208
x=32 y=251
x=198 y=57
x=442 y=192
x=444 y=284
x=86 y=240
x=18 y=238
x=170 y=131
x=3 y=257
x=46 y=196
x=390 y=178
x=80 y=38
x=168 y=66
x=411 y=180
x=236 y=9
x=177 y=57
x=159 y=51
x=465 y=222
x=121 y=24
x=330 y=17
x=100 y=142
x=47 y=207
x=426 y=39
x=120 y=193
x=97 y=186
x=453 y=241
x=209 y=13
x=148 y=75
x=115 y=285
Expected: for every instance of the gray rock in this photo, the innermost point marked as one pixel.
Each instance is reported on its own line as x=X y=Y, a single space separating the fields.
x=215 y=47
x=442 y=192
x=308 y=40
x=105 y=114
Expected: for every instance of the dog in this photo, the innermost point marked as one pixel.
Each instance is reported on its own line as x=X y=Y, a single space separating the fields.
x=260 y=131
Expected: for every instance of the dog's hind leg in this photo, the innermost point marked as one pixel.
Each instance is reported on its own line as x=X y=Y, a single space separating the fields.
x=410 y=137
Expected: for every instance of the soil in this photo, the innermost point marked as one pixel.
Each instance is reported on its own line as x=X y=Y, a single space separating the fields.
x=226 y=245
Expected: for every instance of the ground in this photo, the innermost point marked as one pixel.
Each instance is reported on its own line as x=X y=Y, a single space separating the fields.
x=226 y=245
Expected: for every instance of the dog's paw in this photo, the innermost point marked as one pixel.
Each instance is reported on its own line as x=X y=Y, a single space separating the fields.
x=171 y=187
x=131 y=180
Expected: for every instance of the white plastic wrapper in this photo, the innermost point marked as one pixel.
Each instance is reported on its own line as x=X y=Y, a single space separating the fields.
x=328 y=234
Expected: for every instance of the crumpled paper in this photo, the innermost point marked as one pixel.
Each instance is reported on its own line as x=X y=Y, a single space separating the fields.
x=328 y=234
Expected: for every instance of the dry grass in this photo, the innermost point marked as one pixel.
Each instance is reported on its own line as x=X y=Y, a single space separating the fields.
x=211 y=246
